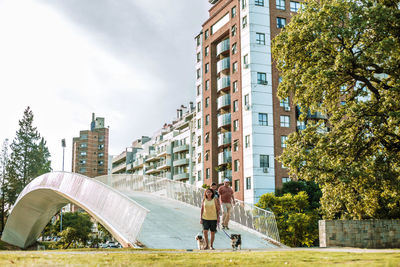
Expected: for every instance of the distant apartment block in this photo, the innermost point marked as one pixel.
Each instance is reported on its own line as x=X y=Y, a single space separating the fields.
x=90 y=149
x=169 y=153
x=241 y=123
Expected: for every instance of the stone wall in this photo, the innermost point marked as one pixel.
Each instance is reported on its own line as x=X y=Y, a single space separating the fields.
x=361 y=234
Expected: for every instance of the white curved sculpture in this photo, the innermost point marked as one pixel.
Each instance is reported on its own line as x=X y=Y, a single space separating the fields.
x=47 y=194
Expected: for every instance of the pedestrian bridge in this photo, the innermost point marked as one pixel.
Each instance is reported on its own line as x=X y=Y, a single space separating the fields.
x=158 y=213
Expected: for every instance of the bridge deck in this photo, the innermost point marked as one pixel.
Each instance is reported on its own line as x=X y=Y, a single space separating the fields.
x=173 y=225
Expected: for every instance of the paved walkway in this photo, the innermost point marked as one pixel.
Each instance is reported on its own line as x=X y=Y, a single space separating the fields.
x=171 y=224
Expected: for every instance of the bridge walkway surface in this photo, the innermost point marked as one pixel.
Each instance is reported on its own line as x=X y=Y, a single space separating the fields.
x=171 y=224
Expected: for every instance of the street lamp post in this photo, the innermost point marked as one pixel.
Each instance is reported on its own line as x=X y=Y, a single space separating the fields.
x=63 y=146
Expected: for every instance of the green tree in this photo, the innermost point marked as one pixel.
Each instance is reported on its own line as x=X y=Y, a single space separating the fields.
x=29 y=157
x=341 y=58
x=311 y=188
x=80 y=222
x=3 y=182
x=103 y=232
x=297 y=222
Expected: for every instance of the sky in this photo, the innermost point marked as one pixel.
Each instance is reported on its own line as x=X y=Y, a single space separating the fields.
x=129 y=61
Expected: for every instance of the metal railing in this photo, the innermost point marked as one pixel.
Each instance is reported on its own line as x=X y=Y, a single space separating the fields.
x=262 y=221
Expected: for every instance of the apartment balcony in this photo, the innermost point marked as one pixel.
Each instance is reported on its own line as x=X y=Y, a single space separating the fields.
x=223 y=83
x=224 y=175
x=120 y=158
x=224 y=157
x=164 y=152
x=151 y=170
x=138 y=163
x=181 y=148
x=119 y=168
x=224 y=101
x=316 y=115
x=164 y=164
x=181 y=176
x=223 y=46
x=224 y=139
x=152 y=157
x=181 y=162
x=223 y=64
x=224 y=120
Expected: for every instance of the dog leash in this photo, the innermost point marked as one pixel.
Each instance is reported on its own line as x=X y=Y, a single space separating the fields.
x=226 y=233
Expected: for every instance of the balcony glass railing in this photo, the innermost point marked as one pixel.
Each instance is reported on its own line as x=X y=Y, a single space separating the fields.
x=180 y=148
x=224 y=120
x=181 y=162
x=224 y=139
x=224 y=157
x=223 y=46
x=223 y=82
x=223 y=101
x=223 y=64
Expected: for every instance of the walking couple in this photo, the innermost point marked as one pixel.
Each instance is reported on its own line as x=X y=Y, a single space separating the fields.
x=211 y=208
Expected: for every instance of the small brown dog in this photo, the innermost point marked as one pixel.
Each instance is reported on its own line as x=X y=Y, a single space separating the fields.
x=201 y=242
x=236 y=241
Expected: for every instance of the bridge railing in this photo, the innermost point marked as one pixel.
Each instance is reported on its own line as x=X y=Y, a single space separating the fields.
x=262 y=221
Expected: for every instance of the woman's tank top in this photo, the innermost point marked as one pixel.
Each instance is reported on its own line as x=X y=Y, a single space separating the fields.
x=209 y=211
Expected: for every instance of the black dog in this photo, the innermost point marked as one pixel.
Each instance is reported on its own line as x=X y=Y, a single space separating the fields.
x=236 y=241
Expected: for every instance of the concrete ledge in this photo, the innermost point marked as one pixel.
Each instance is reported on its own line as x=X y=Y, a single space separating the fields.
x=359 y=233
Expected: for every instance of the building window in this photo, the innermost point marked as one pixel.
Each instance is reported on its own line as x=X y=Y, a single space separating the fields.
x=234 y=85
x=236 y=166
x=294 y=6
x=207 y=102
x=198 y=106
x=235 y=106
x=198 y=57
x=285 y=121
x=82 y=170
x=260 y=38
x=100 y=162
x=199 y=140
x=235 y=125
x=233 y=30
x=285 y=179
x=207 y=137
x=244 y=22
x=207 y=119
x=234 y=67
x=263 y=119
x=101 y=154
x=206 y=34
x=100 y=146
x=198 y=89
x=234 y=48
x=198 y=175
x=83 y=145
x=206 y=67
x=198 y=40
x=236 y=145
x=259 y=2
x=246 y=60
x=244 y=4
x=280 y=4
x=285 y=103
x=248 y=183
x=208 y=173
x=280 y=22
x=233 y=12
x=283 y=140
x=206 y=155
x=198 y=74
x=82 y=162
x=83 y=153
x=262 y=78
x=246 y=102
x=207 y=85
x=237 y=183
x=264 y=161
x=247 y=141
x=206 y=51
x=198 y=123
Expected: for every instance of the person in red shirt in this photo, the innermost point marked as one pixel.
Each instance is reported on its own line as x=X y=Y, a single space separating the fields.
x=227 y=200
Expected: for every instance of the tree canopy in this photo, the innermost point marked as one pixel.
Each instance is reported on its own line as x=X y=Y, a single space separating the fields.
x=341 y=58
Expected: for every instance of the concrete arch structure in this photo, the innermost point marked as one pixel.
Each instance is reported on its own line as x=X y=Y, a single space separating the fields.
x=45 y=195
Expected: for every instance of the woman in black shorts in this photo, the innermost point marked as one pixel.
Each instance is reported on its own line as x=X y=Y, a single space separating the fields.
x=209 y=216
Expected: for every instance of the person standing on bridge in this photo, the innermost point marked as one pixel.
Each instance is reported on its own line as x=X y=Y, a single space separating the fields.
x=209 y=217
x=227 y=200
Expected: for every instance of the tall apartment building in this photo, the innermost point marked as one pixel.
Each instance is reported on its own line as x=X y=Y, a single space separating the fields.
x=90 y=149
x=243 y=123
x=169 y=153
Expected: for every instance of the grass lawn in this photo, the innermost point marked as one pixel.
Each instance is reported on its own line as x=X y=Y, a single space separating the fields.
x=131 y=257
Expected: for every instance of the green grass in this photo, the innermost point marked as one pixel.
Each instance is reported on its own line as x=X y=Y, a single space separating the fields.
x=130 y=257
